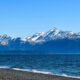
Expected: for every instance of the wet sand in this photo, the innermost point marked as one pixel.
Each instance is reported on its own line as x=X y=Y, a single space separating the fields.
x=9 y=74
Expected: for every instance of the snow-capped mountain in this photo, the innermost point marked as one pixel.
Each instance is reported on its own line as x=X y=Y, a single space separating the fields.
x=58 y=34
x=52 y=35
x=4 y=39
x=54 y=40
x=35 y=37
x=26 y=38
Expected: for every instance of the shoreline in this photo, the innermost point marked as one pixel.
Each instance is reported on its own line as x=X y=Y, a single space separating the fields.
x=44 y=72
x=12 y=74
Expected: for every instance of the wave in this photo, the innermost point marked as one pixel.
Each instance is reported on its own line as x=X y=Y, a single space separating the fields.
x=21 y=69
x=65 y=75
x=32 y=70
x=45 y=72
x=38 y=71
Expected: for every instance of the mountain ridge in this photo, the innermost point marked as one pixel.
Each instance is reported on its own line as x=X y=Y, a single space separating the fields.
x=56 y=41
x=52 y=34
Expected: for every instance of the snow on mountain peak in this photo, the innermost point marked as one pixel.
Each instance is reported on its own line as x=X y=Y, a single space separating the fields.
x=27 y=38
x=52 y=34
x=34 y=37
x=4 y=39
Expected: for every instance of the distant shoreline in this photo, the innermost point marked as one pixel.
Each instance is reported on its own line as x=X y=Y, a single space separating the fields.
x=10 y=74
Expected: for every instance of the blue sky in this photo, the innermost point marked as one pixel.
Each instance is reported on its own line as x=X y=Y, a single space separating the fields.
x=26 y=17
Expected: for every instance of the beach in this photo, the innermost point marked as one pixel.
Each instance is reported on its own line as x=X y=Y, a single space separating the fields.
x=10 y=74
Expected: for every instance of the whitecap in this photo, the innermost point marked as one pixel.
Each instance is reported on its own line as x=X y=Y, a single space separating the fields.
x=43 y=72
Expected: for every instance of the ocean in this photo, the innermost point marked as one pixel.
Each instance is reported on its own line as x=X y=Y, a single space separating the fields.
x=54 y=64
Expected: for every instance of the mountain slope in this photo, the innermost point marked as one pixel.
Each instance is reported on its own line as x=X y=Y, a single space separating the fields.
x=58 y=34
x=55 y=41
x=52 y=35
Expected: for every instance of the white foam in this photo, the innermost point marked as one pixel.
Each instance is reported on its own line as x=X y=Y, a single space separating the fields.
x=42 y=72
x=21 y=69
x=65 y=75
x=33 y=70
x=37 y=71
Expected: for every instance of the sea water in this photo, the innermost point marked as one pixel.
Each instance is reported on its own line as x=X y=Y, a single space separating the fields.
x=61 y=64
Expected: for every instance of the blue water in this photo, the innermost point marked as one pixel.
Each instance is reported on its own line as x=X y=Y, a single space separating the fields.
x=68 y=64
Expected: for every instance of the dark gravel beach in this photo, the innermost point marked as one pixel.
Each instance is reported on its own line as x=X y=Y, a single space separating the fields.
x=9 y=74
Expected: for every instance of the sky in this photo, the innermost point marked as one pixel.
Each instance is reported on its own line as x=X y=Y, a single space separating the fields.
x=19 y=18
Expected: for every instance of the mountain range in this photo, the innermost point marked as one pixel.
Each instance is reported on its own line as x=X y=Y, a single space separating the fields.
x=53 y=41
